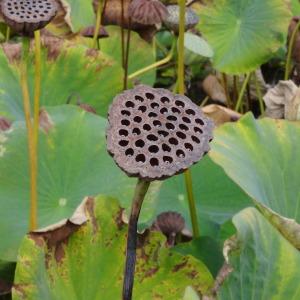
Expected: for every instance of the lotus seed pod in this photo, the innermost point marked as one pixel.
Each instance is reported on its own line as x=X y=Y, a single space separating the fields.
x=154 y=134
x=4 y=124
x=172 y=19
x=169 y=223
x=26 y=16
x=89 y=32
x=147 y=12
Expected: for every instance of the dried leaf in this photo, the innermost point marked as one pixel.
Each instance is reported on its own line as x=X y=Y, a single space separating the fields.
x=283 y=101
x=214 y=89
x=220 y=114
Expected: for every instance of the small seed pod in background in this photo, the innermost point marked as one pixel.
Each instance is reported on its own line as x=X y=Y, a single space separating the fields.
x=172 y=20
x=4 y=124
x=170 y=224
x=147 y=12
x=28 y=16
x=89 y=32
x=154 y=134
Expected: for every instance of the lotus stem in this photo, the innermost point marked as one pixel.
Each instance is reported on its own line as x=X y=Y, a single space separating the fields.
x=290 y=49
x=242 y=92
x=139 y=195
x=96 y=43
x=204 y=101
x=30 y=134
x=7 y=35
x=127 y=56
x=225 y=86
x=122 y=34
x=154 y=65
x=259 y=95
x=180 y=72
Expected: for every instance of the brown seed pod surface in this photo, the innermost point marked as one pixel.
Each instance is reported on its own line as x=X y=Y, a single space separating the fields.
x=169 y=223
x=154 y=134
x=172 y=20
x=26 y=16
x=147 y=12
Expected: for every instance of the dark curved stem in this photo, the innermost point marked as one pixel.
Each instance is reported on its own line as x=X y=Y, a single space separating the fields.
x=127 y=55
x=139 y=195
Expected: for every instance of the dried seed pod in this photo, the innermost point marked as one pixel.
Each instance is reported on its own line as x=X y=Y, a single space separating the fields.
x=4 y=124
x=172 y=20
x=170 y=224
x=147 y=12
x=89 y=32
x=154 y=134
x=26 y=16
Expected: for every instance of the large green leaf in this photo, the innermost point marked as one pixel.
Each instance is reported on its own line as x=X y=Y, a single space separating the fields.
x=91 y=261
x=206 y=249
x=295 y=7
x=73 y=163
x=79 y=14
x=141 y=53
x=73 y=71
x=263 y=158
x=245 y=33
x=217 y=197
x=265 y=265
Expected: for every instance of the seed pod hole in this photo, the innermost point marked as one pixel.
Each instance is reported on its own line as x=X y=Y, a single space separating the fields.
x=173 y=141
x=168 y=159
x=136 y=131
x=171 y=118
x=195 y=139
x=129 y=104
x=166 y=148
x=190 y=112
x=137 y=119
x=198 y=130
x=181 y=135
x=140 y=158
x=125 y=122
x=154 y=162
x=138 y=98
x=188 y=146
x=180 y=153
x=175 y=110
x=164 y=110
x=125 y=112
x=129 y=152
x=170 y=126
x=152 y=137
x=199 y=121
x=147 y=127
x=123 y=132
x=183 y=127
x=149 y=96
x=163 y=133
x=164 y=99
x=152 y=114
x=154 y=105
x=140 y=143
x=123 y=143
x=186 y=120
x=153 y=149
x=157 y=123
x=142 y=108
x=179 y=103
